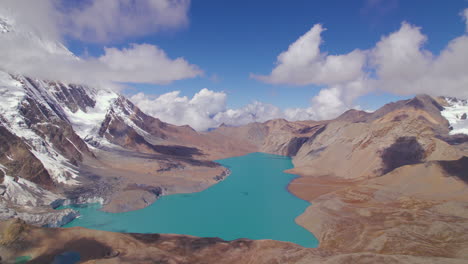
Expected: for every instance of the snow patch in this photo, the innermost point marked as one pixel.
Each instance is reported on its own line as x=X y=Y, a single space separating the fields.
x=13 y=94
x=454 y=113
x=87 y=124
x=25 y=193
x=120 y=110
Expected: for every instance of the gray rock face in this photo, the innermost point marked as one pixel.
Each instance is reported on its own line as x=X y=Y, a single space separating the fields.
x=295 y=144
x=40 y=152
x=39 y=216
x=58 y=219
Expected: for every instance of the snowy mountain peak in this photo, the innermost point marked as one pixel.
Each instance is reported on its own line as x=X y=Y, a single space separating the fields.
x=457 y=114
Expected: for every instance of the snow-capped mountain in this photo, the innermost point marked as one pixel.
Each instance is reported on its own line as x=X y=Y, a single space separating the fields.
x=64 y=142
x=34 y=114
x=55 y=120
x=61 y=141
x=456 y=112
x=40 y=151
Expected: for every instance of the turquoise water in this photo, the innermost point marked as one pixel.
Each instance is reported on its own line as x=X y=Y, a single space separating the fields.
x=253 y=202
x=22 y=259
x=69 y=257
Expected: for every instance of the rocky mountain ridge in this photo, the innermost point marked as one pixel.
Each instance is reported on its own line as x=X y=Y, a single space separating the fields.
x=396 y=170
x=60 y=138
x=385 y=187
x=68 y=143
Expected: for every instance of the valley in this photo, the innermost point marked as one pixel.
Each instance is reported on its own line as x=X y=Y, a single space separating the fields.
x=199 y=132
x=373 y=179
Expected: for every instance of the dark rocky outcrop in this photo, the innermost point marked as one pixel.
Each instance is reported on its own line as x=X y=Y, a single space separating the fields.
x=44 y=115
x=457 y=168
x=19 y=161
x=74 y=96
x=404 y=151
x=454 y=139
x=318 y=130
x=294 y=145
x=156 y=190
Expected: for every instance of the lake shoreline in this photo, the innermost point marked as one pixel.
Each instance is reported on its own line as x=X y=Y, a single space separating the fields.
x=263 y=198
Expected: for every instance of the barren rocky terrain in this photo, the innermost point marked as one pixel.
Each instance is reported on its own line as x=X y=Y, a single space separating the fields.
x=20 y=239
x=387 y=187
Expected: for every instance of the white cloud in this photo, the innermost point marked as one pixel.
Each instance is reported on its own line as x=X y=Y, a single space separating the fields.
x=97 y=20
x=31 y=46
x=398 y=64
x=108 y=20
x=145 y=63
x=330 y=102
x=254 y=112
x=33 y=56
x=404 y=67
x=207 y=109
x=40 y=17
x=198 y=112
x=304 y=64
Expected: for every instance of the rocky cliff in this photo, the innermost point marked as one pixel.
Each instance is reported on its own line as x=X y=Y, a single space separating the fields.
x=78 y=143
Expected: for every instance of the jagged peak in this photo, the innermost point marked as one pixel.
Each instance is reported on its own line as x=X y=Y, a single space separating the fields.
x=456 y=112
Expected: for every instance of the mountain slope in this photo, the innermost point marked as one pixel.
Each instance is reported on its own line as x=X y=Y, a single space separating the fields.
x=73 y=143
x=87 y=144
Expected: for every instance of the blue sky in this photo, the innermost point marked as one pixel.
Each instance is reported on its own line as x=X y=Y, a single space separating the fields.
x=231 y=39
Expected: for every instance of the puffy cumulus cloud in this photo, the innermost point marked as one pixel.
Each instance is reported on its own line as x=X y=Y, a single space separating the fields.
x=327 y=104
x=207 y=109
x=254 y=112
x=398 y=64
x=108 y=20
x=403 y=66
x=30 y=45
x=198 y=112
x=27 y=54
x=304 y=64
x=330 y=102
x=145 y=63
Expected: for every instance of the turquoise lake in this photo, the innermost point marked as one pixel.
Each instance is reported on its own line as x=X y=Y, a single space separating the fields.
x=253 y=202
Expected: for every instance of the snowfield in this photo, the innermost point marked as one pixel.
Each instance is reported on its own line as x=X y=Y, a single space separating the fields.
x=457 y=115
